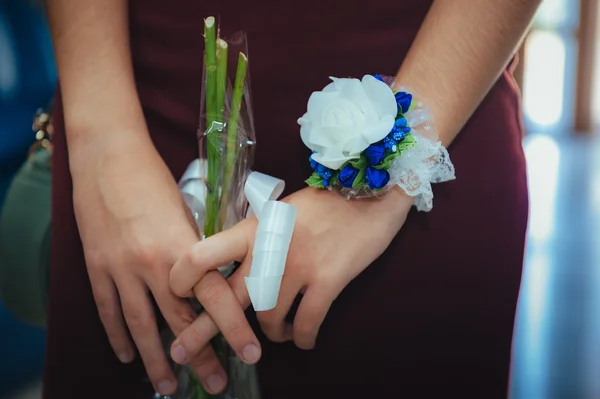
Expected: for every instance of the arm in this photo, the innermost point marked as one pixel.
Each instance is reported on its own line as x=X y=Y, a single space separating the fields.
x=458 y=54
x=91 y=43
x=461 y=49
x=124 y=194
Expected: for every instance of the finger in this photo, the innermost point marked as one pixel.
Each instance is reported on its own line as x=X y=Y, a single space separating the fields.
x=209 y=370
x=141 y=321
x=311 y=313
x=221 y=303
x=218 y=250
x=177 y=311
x=109 y=310
x=197 y=336
x=272 y=322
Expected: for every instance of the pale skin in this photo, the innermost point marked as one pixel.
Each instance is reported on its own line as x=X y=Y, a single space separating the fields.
x=122 y=216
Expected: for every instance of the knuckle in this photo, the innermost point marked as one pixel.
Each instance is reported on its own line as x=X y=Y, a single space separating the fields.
x=96 y=261
x=178 y=284
x=237 y=333
x=137 y=320
x=106 y=310
x=194 y=256
x=206 y=364
x=184 y=316
x=118 y=340
x=194 y=339
x=146 y=253
x=210 y=293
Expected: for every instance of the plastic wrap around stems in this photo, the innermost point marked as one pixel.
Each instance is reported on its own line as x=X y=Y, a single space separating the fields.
x=226 y=156
x=228 y=152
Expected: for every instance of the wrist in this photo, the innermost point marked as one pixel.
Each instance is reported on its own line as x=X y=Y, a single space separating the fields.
x=398 y=202
x=95 y=151
x=121 y=176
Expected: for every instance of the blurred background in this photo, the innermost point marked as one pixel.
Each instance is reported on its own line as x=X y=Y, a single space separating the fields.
x=557 y=334
x=27 y=81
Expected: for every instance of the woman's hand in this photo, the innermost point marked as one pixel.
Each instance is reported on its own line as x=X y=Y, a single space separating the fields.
x=334 y=241
x=134 y=226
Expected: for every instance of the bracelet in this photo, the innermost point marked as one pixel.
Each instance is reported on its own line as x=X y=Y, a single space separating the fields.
x=366 y=138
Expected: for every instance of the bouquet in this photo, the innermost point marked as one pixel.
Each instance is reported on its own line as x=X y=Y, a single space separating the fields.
x=219 y=186
x=213 y=186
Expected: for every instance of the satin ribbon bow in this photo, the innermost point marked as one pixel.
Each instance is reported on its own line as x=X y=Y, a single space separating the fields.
x=276 y=222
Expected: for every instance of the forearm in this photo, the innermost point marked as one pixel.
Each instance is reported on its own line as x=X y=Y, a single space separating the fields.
x=461 y=50
x=99 y=96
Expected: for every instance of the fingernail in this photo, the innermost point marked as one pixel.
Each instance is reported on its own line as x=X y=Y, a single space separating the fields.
x=125 y=357
x=251 y=353
x=166 y=387
x=215 y=383
x=179 y=355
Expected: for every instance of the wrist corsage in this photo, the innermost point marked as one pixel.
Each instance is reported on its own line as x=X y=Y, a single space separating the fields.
x=367 y=138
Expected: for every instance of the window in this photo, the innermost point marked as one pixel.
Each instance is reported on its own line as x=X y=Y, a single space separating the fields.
x=551 y=68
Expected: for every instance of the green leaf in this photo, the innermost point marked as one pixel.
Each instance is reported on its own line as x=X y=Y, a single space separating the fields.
x=359 y=163
x=335 y=179
x=413 y=104
x=391 y=156
x=359 y=180
x=315 y=181
x=384 y=165
x=408 y=142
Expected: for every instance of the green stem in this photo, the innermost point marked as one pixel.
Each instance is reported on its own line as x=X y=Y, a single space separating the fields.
x=210 y=46
x=221 y=78
x=232 y=131
x=213 y=148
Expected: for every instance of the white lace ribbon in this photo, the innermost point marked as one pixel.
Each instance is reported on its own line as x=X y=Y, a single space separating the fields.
x=426 y=163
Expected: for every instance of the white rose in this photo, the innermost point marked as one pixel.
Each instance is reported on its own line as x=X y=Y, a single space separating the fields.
x=346 y=117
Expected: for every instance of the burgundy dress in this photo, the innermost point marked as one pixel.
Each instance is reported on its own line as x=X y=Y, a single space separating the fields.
x=432 y=318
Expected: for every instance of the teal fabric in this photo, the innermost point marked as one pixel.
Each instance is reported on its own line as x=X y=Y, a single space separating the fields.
x=25 y=241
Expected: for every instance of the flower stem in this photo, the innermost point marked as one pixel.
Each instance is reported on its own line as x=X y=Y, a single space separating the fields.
x=213 y=148
x=222 y=48
x=233 y=138
x=210 y=48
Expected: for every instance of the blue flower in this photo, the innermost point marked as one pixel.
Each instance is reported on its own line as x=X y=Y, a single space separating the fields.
x=321 y=170
x=400 y=129
x=398 y=135
x=377 y=178
x=378 y=77
x=400 y=123
x=403 y=100
x=375 y=153
x=347 y=175
x=389 y=143
x=313 y=163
